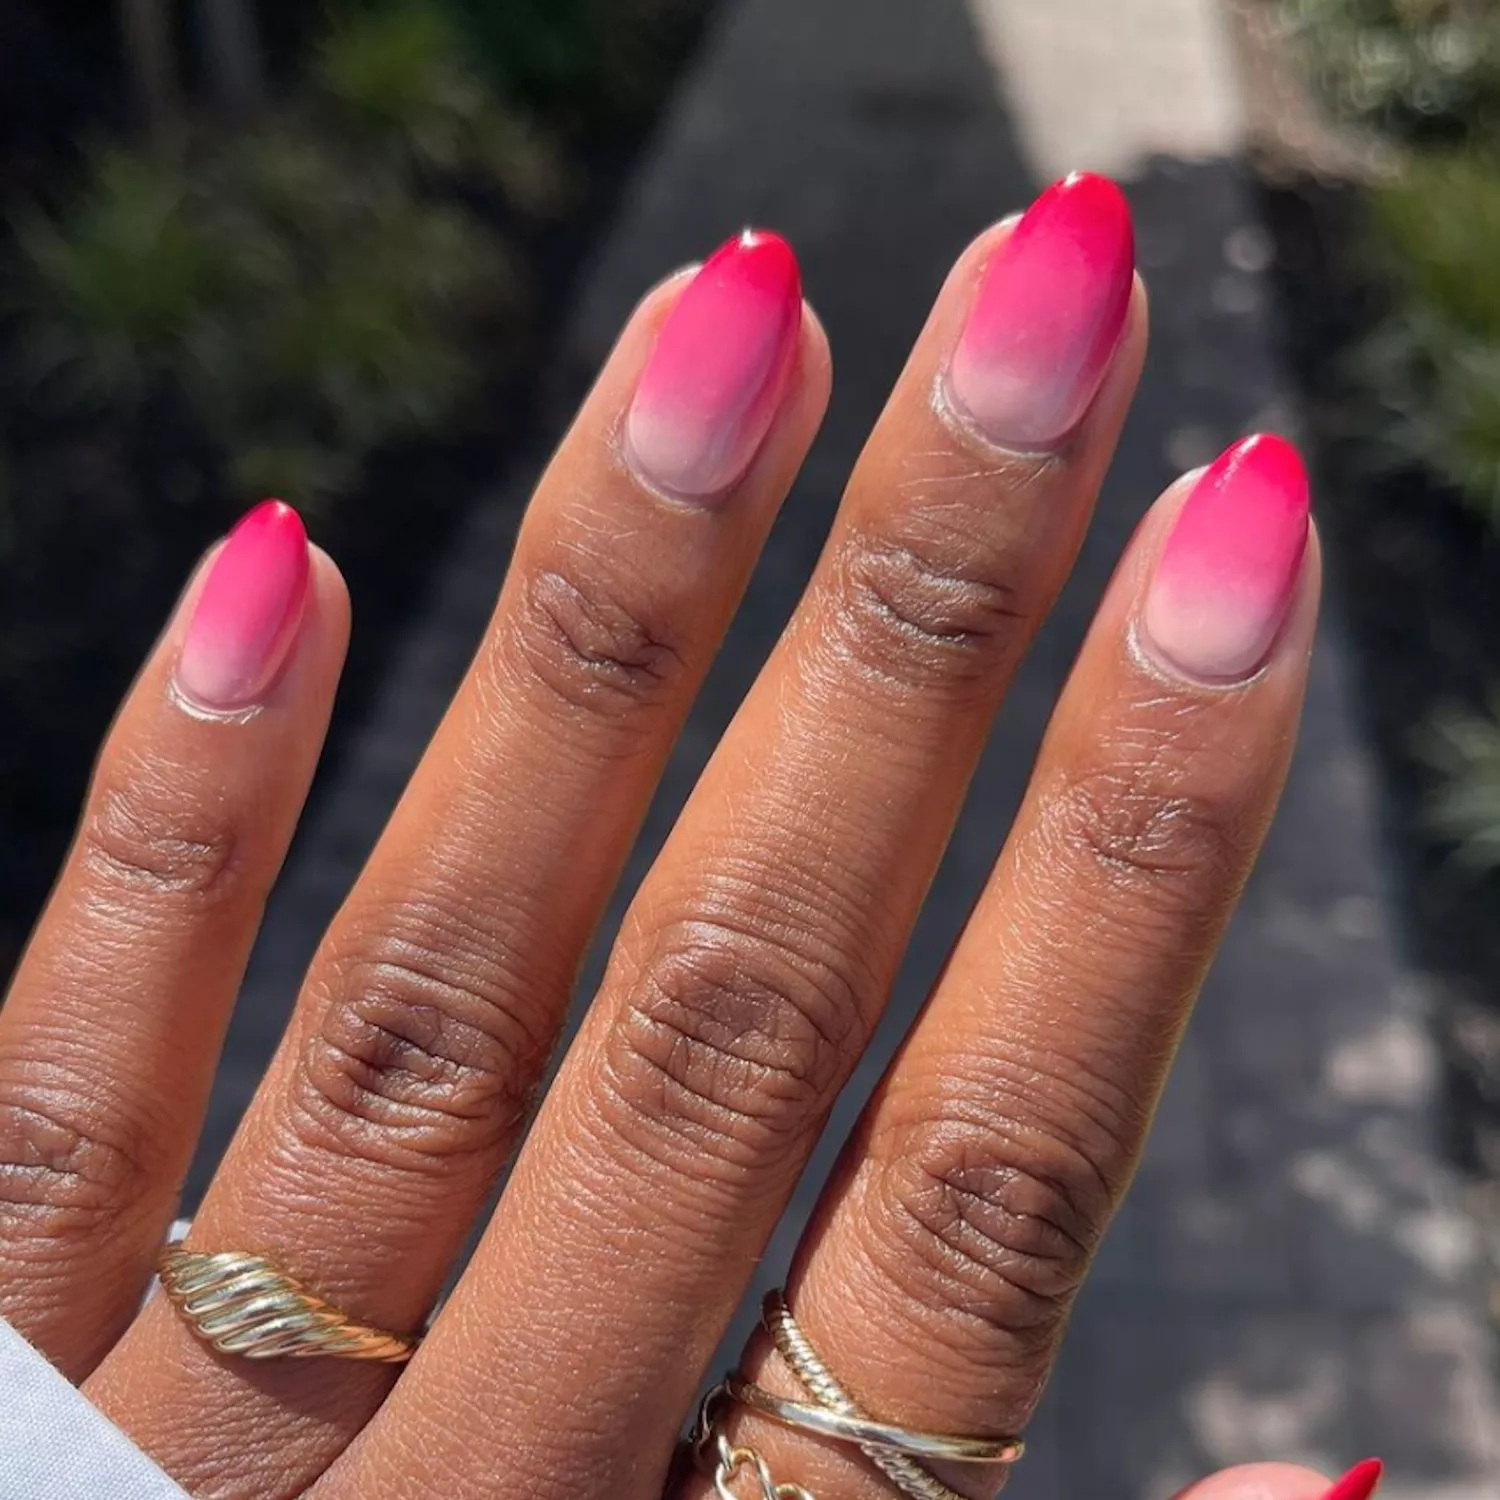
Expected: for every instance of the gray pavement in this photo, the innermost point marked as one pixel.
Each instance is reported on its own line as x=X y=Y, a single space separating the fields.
x=1291 y=1277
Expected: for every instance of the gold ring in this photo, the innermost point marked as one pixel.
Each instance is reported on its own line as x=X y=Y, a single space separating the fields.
x=866 y=1432
x=243 y=1304
x=900 y=1453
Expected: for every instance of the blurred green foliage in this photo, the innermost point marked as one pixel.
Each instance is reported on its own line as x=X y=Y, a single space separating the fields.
x=1440 y=219
x=1464 y=748
x=407 y=79
x=1434 y=362
x=322 y=287
x=587 y=65
x=1418 y=69
x=1426 y=75
x=309 y=290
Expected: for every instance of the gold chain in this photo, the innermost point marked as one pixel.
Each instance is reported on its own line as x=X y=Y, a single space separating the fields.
x=732 y=1461
x=717 y=1456
x=834 y=1414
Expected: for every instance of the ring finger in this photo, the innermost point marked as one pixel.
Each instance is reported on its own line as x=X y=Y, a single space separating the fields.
x=939 y=1268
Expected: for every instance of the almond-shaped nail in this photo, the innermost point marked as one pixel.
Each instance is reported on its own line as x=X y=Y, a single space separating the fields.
x=1227 y=575
x=247 y=613
x=713 y=382
x=1048 y=316
x=1359 y=1483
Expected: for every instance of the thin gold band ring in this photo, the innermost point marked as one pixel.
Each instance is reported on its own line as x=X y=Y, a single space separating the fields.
x=866 y=1432
x=900 y=1453
x=246 y=1305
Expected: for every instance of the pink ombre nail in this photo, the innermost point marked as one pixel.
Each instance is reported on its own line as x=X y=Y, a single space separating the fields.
x=1359 y=1483
x=1048 y=316
x=719 y=368
x=1226 y=577
x=248 y=611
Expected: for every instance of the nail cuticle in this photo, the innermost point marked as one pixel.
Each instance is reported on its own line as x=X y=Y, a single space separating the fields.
x=950 y=411
x=206 y=712
x=1150 y=657
x=700 y=505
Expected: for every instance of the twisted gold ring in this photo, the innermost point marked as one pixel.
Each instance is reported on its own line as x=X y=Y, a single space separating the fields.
x=900 y=1453
x=243 y=1304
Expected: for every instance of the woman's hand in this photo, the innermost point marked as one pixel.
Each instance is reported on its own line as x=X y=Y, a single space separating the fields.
x=755 y=960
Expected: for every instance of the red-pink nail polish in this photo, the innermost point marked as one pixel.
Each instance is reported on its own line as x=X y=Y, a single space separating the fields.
x=1048 y=316
x=1226 y=577
x=248 y=610
x=719 y=369
x=1359 y=1483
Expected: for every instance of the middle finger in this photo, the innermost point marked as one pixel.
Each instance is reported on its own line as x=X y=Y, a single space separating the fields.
x=758 y=953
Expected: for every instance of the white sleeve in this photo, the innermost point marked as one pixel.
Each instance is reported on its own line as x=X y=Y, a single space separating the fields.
x=55 y=1446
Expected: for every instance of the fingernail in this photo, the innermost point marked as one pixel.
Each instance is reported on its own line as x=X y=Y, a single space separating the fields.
x=1048 y=315
x=248 y=610
x=1359 y=1483
x=719 y=368
x=1226 y=577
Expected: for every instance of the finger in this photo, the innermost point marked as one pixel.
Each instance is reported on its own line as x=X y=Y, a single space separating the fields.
x=939 y=1268
x=759 y=951
x=112 y=1029
x=430 y=1008
x=1284 y=1482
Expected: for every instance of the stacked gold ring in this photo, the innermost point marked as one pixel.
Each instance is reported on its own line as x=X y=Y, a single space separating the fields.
x=866 y=1432
x=900 y=1453
x=244 y=1304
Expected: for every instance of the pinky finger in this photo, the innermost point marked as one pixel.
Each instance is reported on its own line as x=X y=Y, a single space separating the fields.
x=112 y=1030
x=1285 y=1482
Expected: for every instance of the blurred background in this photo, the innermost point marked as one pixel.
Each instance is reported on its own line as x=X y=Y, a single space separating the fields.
x=366 y=256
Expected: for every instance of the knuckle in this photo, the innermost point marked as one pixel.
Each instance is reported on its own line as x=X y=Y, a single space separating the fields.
x=997 y=1227
x=595 y=649
x=916 y=606
x=732 y=1046
x=147 y=837
x=420 y=1059
x=1149 y=831
x=66 y=1164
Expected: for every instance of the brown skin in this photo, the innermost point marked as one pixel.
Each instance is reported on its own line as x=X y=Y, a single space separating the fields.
x=753 y=964
x=110 y=1035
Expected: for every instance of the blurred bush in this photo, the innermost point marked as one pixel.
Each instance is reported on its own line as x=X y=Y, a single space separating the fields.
x=313 y=267
x=1418 y=69
x=305 y=292
x=407 y=80
x=1433 y=364
x=1465 y=749
x=1426 y=74
x=587 y=65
